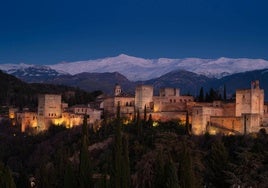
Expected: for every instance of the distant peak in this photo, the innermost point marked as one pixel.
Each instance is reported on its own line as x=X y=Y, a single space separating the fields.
x=124 y=55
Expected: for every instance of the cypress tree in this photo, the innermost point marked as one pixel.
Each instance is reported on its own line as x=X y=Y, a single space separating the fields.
x=165 y=172
x=6 y=179
x=121 y=167
x=126 y=166
x=145 y=114
x=201 y=95
x=150 y=121
x=172 y=180
x=135 y=115
x=118 y=151
x=187 y=125
x=186 y=173
x=85 y=169
x=139 y=125
x=217 y=165
x=69 y=177
x=159 y=178
x=224 y=93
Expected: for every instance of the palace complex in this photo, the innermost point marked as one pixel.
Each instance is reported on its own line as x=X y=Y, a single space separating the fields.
x=248 y=114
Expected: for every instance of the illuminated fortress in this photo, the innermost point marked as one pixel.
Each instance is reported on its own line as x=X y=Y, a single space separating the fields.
x=248 y=114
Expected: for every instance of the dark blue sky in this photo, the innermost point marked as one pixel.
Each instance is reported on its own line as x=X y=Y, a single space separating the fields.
x=52 y=31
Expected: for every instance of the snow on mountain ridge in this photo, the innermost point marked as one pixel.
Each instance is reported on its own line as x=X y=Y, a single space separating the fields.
x=136 y=68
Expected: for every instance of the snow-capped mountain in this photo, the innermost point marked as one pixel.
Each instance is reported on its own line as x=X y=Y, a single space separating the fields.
x=135 y=68
x=143 y=69
x=31 y=73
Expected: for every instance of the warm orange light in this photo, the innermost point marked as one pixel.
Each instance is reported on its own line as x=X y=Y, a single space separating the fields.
x=155 y=124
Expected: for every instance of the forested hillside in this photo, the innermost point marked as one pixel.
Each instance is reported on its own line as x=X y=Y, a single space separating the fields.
x=15 y=92
x=136 y=154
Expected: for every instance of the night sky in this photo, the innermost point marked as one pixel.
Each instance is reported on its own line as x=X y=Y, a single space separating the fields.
x=52 y=31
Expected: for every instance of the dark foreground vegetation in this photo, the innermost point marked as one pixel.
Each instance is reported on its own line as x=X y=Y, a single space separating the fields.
x=134 y=155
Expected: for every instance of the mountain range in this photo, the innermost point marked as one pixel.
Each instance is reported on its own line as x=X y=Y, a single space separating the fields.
x=189 y=74
x=140 y=69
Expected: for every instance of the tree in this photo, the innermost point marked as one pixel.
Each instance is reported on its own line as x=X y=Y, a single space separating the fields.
x=186 y=173
x=187 y=125
x=117 y=171
x=145 y=114
x=150 y=121
x=121 y=167
x=159 y=170
x=85 y=168
x=165 y=171
x=224 y=93
x=69 y=177
x=217 y=165
x=6 y=179
x=139 y=124
x=172 y=180
x=201 y=95
x=126 y=166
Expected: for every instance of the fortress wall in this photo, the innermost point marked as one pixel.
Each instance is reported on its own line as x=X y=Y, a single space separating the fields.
x=143 y=96
x=243 y=102
x=201 y=118
x=231 y=123
x=228 y=109
x=165 y=92
x=169 y=116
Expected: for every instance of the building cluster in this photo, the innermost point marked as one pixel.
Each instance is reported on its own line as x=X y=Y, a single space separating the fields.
x=51 y=110
x=247 y=114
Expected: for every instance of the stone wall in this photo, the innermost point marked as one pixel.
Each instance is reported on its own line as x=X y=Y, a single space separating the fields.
x=250 y=100
x=168 y=116
x=230 y=124
x=27 y=120
x=143 y=96
x=165 y=92
x=201 y=118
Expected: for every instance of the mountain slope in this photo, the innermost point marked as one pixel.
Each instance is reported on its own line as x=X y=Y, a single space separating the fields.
x=95 y=81
x=36 y=74
x=188 y=82
x=136 y=69
x=242 y=81
x=15 y=92
x=143 y=69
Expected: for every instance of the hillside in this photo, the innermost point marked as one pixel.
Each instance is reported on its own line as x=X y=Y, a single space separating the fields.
x=15 y=92
x=95 y=81
x=188 y=82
